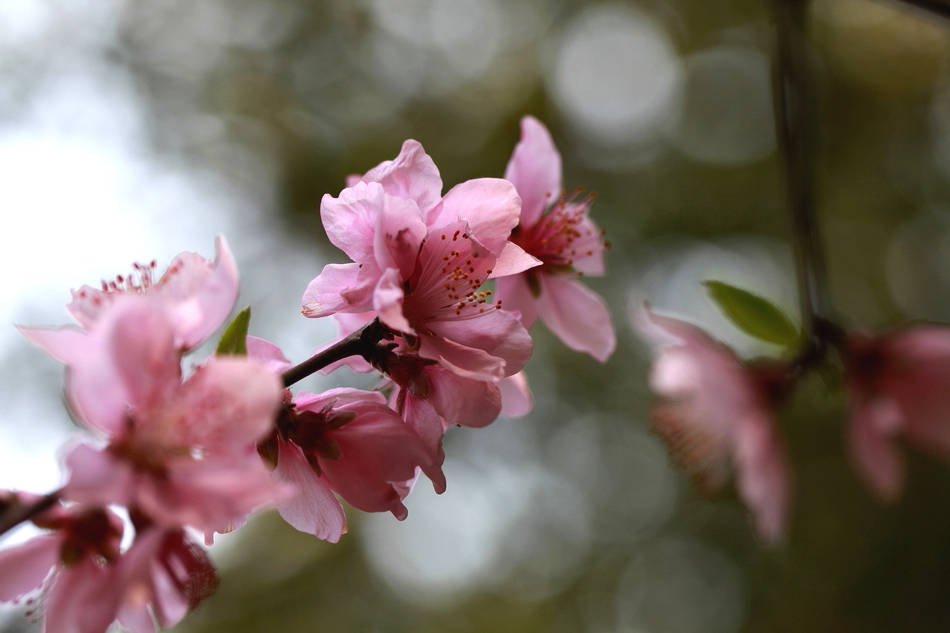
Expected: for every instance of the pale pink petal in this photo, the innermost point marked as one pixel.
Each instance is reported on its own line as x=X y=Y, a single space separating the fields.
x=229 y=402
x=63 y=344
x=339 y=287
x=516 y=297
x=516 y=399
x=83 y=598
x=97 y=477
x=762 y=476
x=411 y=175
x=577 y=315
x=588 y=249
x=490 y=206
x=267 y=354
x=462 y=401
x=388 y=300
x=498 y=333
x=313 y=509
x=201 y=296
x=208 y=495
x=873 y=448
x=350 y=220
x=535 y=170
x=23 y=568
x=337 y=398
x=398 y=235
x=461 y=359
x=513 y=260
x=141 y=340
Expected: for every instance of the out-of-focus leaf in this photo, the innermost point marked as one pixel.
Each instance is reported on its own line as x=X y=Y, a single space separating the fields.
x=754 y=315
x=234 y=339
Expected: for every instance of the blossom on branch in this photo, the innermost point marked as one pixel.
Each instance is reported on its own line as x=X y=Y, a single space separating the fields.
x=717 y=415
x=420 y=260
x=557 y=230
x=898 y=388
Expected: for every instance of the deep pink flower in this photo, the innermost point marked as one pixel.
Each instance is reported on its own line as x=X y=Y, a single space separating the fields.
x=717 y=411
x=180 y=451
x=349 y=442
x=420 y=261
x=899 y=388
x=558 y=231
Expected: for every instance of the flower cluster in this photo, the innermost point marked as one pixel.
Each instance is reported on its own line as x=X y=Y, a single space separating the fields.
x=438 y=297
x=719 y=413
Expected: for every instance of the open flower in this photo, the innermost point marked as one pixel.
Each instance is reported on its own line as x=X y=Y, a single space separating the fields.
x=557 y=230
x=73 y=565
x=716 y=413
x=181 y=451
x=899 y=388
x=348 y=442
x=420 y=260
x=197 y=294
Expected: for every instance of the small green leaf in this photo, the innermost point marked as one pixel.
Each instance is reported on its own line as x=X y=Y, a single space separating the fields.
x=754 y=315
x=234 y=340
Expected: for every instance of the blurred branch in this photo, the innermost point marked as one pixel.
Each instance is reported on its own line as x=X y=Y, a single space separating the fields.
x=795 y=132
x=937 y=7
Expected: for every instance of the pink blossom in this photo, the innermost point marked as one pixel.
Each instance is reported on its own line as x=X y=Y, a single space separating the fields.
x=197 y=294
x=74 y=567
x=180 y=451
x=899 y=388
x=557 y=231
x=420 y=260
x=162 y=577
x=349 y=442
x=717 y=411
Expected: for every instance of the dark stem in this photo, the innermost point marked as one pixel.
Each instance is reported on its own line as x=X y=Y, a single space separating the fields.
x=17 y=514
x=794 y=128
x=937 y=7
x=360 y=343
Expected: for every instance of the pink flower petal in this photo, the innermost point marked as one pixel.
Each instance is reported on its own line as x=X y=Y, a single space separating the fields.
x=388 y=301
x=516 y=399
x=313 y=509
x=762 y=476
x=515 y=296
x=82 y=599
x=490 y=206
x=350 y=220
x=268 y=354
x=23 y=568
x=338 y=288
x=398 y=235
x=411 y=175
x=496 y=332
x=513 y=260
x=577 y=315
x=535 y=170
x=872 y=448
x=462 y=401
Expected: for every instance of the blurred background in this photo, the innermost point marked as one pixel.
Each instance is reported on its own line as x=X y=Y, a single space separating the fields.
x=136 y=129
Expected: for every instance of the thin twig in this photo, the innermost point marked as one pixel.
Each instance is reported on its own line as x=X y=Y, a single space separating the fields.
x=794 y=128
x=17 y=514
x=360 y=343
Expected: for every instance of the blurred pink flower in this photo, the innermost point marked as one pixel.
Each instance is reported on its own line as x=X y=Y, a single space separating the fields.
x=420 y=260
x=180 y=451
x=74 y=566
x=197 y=293
x=349 y=442
x=899 y=388
x=162 y=577
x=717 y=410
x=558 y=231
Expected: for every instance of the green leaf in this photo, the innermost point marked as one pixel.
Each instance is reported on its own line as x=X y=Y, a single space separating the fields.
x=754 y=315
x=234 y=340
